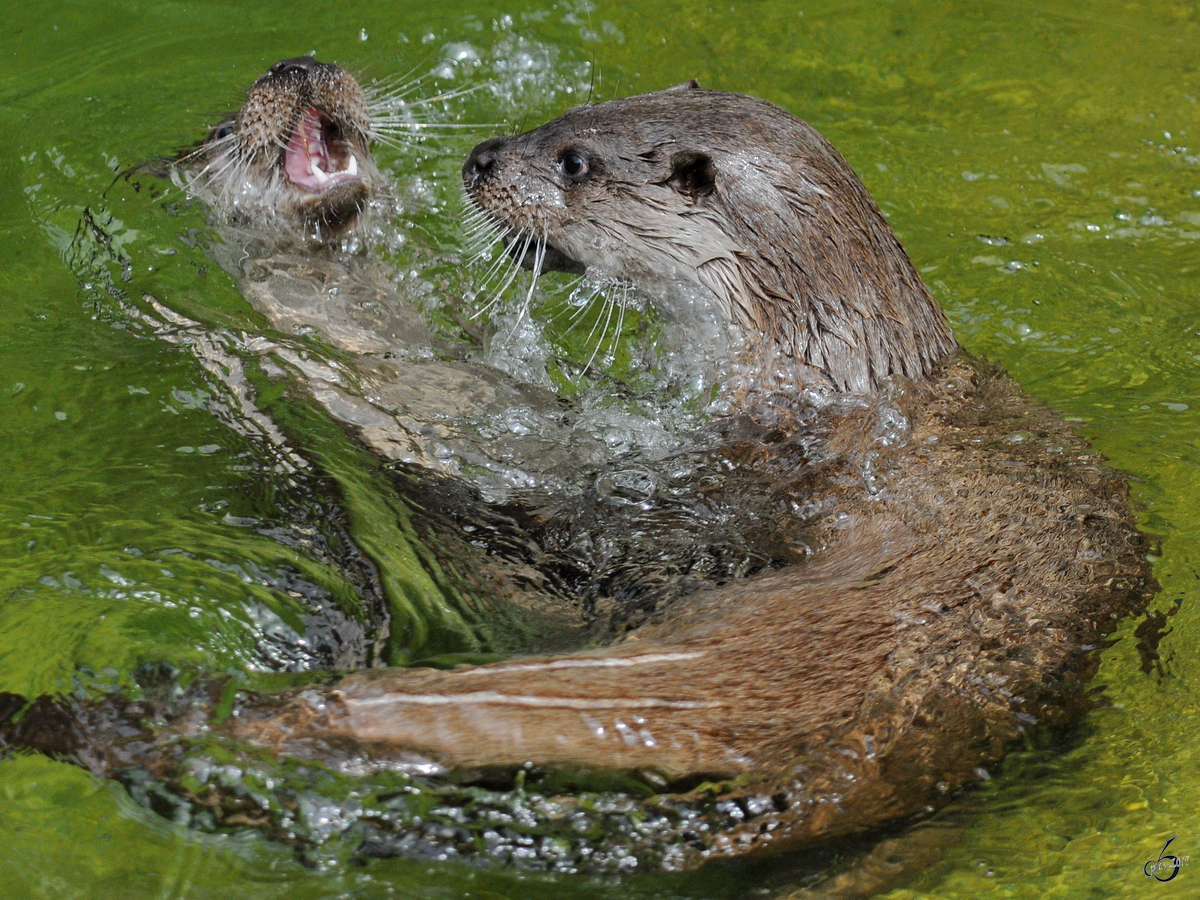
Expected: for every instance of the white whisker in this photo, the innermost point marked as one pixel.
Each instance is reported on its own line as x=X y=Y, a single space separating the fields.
x=611 y=354
x=500 y=260
x=512 y=275
x=401 y=141
x=576 y=311
x=539 y=257
x=600 y=339
x=400 y=126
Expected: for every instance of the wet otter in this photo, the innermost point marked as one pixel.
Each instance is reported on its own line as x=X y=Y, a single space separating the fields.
x=426 y=395
x=960 y=518
x=752 y=205
x=969 y=554
x=297 y=149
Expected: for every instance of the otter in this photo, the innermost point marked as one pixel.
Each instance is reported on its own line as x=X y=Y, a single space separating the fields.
x=754 y=207
x=296 y=150
x=295 y=240
x=957 y=555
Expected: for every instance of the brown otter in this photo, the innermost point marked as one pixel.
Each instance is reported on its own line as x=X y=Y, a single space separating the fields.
x=253 y=171
x=297 y=149
x=736 y=196
x=970 y=555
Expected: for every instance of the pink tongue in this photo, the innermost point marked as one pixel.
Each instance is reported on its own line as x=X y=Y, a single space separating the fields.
x=305 y=147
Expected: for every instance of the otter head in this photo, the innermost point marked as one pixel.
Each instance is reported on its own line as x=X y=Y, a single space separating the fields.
x=296 y=150
x=734 y=195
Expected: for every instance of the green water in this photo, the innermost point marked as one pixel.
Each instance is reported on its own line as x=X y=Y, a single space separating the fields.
x=1040 y=162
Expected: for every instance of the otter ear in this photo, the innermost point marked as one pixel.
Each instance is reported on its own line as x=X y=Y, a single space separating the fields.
x=689 y=85
x=693 y=175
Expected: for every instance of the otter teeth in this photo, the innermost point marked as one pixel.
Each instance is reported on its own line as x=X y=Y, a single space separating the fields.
x=308 y=162
x=315 y=171
x=322 y=176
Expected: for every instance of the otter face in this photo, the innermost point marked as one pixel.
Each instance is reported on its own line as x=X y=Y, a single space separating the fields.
x=593 y=188
x=730 y=193
x=296 y=150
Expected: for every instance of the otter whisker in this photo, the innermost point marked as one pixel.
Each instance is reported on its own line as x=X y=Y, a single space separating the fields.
x=490 y=237
x=396 y=124
x=497 y=263
x=478 y=223
x=449 y=95
x=400 y=141
x=380 y=98
x=390 y=99
x=505 y=259
x=484 y=227
x=480 y=251
x=594 y=297
x=471 y=214
x=391 y=122
x=206 y=148
x=622 y=307
x=512 y=274
x=573 y=283
x=527 y=239
x=539 y=257
x=577 y=310
x=482 y=236
x=571 y=308
x=215 y=143
x=494 y=268
x=211 y=172
x=192 y=154
x=507 y=239
x=608 y=307
x=392 y=88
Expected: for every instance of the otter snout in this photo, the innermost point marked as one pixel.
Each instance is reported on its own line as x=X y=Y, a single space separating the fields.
x=524 y=237
x=481 y=162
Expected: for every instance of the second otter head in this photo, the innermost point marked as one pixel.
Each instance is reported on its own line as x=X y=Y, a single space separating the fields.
x=296 y=150
x=736 y=196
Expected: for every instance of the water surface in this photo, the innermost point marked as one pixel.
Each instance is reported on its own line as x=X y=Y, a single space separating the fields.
x=1038 y=161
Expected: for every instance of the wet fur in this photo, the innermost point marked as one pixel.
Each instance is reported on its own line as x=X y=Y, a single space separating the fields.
x=958 y=608
x=961 y=605
x=740 y=197
x=971 y=554
x=238 y=168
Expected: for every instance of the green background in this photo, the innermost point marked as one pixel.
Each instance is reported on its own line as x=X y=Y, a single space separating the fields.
x=1041 y=163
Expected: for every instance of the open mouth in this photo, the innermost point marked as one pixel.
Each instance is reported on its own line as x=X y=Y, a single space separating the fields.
x=317 y=157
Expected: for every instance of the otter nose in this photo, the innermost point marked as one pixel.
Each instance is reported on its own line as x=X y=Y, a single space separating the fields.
x=298 y=64
x=482 y=161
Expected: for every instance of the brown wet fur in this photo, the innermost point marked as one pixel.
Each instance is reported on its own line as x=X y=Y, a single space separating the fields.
x=738 y=196
x=847 y=693
x=970 y=555
x=239 y=167
x=861 y=686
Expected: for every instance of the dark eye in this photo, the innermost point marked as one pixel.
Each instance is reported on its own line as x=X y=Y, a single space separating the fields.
x=222 y=132
x=573 y=165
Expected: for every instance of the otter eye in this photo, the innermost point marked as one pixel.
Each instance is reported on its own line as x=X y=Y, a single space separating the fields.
x=222 y=132
x=573 y=165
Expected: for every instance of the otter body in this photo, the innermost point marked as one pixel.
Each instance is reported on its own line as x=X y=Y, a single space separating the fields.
x=953 y=556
